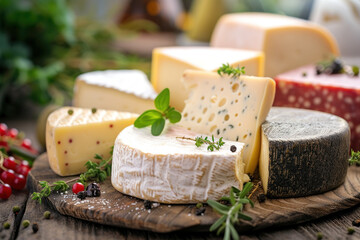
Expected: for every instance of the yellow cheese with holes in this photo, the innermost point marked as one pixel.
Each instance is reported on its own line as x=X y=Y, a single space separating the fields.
x=287 y=42
x=169 y=63
x=72 y=140
x=169 y=169
x=120 y=90
x=229 y=107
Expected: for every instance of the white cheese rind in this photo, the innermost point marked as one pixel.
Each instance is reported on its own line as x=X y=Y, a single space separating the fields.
x=170 y=170
x=121 y=90
x=72 y=140
x=233 y=108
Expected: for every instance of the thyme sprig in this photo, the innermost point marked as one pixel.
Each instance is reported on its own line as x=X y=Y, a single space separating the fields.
x=95 y=172
x=199 y=141
x=231 y=214
x=355 y=158
x=231 y=71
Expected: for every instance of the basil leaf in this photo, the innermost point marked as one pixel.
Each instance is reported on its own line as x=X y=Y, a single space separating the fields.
x=147 y=118
x=162 y=101
x=174 y=116
x=158 y=127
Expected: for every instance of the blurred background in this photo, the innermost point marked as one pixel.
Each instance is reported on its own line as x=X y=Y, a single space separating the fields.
x=45 y=44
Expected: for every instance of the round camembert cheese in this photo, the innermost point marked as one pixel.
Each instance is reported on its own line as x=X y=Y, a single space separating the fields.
x=169 y=169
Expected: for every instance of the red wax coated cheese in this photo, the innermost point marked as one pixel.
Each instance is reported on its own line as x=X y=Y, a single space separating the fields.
x=338 y=94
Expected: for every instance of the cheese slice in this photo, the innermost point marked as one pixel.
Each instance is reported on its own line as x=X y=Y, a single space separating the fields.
x=121 y=90
x=169 y=169
x=303 y=152
x=287 y=42
x=229 y=107
x=169 y=63
x=72 y=140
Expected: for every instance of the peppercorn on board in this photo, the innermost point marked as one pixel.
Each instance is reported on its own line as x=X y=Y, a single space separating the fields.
x=116 y=209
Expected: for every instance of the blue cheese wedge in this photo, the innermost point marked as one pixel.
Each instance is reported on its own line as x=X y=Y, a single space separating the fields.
x=229 y=107
x=121 y=90
x=169 y=169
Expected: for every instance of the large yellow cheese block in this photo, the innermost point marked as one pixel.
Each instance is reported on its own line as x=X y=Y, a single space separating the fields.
x=120 y=90
x=169 y=63
x=287 y=42
x=73 y=139
x=169 y=169
x=229 y=107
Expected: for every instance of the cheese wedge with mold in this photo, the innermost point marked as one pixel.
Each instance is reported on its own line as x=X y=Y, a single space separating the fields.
x=169 y=63
x=287 y=42
x=229 y=107
x=169 y=169
x=120 y=90
x=72 y=140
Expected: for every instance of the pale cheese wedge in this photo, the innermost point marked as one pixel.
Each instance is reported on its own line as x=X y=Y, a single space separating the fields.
x=169 y=169
x=72 y=140
x=120 y=90
x=229 y=107
x=287 y=42
x=169 y=63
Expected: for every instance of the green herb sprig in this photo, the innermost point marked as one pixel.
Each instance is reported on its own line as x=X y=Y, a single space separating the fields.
x=355 y=158
x=199 y=141
x=231 y=71
x=231 y=214
x=156 y=118
x=95 y=172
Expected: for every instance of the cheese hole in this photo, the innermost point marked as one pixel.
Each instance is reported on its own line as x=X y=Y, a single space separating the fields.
x=188 y=128
x=199 y=120
x=212 y=116
x=222 y=102
x=239 y=124
x=236 y=114
x=193 y=118
x=202 y=98
x=227 y=117
x=222 y=89
x=245 y=136
x=213 y=128
x=236 y=100
x=235 y=87
x=239 y=93
x=204 y=110
x=213 y=98
x=185 y=114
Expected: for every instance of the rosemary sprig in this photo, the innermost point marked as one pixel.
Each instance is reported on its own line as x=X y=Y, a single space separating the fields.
x=95 y=172
x=229 y=70
x=231 y=214
x=199 y=141
x=355 y=158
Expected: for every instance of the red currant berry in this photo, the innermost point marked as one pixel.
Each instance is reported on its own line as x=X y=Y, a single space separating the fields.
x=3 y=129
x=23 y=170
x=25 y=163
x=10 y=163
x=26 y=143
x=78 y=187
x=3 y=144
x=19 y=182
x=13 y=132
x=8 y=176
x=5 y=191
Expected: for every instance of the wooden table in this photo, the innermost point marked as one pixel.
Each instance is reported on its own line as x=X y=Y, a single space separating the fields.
x=63 y=227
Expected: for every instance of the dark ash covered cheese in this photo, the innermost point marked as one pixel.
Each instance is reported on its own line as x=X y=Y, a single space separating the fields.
x=303 y=152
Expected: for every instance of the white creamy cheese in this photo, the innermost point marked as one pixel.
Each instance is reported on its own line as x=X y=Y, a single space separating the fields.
x=168 y=169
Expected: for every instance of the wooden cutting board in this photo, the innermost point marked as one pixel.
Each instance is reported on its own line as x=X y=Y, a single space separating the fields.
x=115 y=209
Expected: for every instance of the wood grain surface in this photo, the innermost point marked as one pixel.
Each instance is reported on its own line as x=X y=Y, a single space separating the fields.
x=115 y=209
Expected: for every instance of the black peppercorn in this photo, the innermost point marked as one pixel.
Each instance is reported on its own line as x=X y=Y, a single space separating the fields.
x=356 y=223
x=233 y=148
x=200 y=211
x=93 y=190
x=82 y=195
x=261 y=198
x=35 y=227
x=147 y=204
